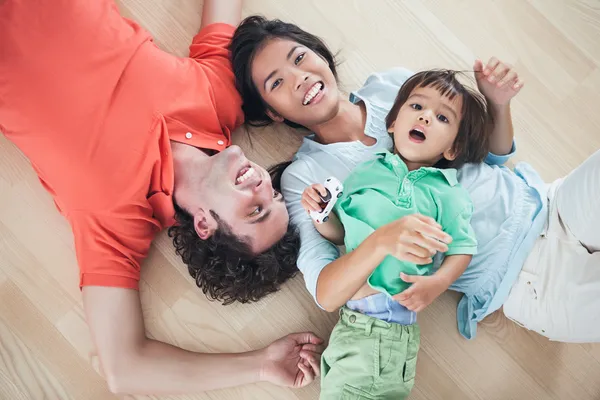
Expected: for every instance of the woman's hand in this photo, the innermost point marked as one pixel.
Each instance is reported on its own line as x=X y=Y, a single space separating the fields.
x=497 y=81
x=311 y=201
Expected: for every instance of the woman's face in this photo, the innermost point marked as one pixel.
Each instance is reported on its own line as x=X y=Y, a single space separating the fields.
x=295 y=82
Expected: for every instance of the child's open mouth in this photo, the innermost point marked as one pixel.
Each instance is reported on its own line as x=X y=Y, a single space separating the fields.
x=416 y=136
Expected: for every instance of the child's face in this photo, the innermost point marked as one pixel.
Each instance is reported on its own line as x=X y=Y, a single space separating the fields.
x=426 y=126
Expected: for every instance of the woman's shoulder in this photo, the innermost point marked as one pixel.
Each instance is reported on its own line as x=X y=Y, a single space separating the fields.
x=382 y=87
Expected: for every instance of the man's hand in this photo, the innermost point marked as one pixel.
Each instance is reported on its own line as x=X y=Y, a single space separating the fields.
x=497 y=81
x=424 y=290
x=293 y=360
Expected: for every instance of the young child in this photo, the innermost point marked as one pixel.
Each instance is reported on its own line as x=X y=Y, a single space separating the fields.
x=437 y=124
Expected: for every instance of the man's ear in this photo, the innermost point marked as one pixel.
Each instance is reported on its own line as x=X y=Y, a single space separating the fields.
x=274 y=116
x=205 y=224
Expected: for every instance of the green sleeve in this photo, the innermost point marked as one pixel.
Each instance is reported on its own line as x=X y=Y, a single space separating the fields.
x=458 y=225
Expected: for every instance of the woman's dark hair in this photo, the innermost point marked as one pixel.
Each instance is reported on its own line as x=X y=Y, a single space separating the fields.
x=225 y=268
x=251 y=36
x=472 y=141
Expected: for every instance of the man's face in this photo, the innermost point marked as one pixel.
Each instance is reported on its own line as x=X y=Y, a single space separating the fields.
x=242 y=195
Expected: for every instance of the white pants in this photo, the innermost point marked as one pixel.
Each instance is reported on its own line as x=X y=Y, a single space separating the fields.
x=558 y=290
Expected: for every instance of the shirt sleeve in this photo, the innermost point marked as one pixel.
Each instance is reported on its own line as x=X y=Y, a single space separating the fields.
x=456 y=221
x=212 y=43
x=210 y=49
x=496 y=159
x=316 y=252
x=381 y=88
x=110 y=246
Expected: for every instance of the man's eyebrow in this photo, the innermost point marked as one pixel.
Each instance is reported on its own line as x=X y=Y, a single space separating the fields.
x=261 y=218
x=274 y=72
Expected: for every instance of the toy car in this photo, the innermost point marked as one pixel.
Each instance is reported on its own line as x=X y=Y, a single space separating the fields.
x=334 y=190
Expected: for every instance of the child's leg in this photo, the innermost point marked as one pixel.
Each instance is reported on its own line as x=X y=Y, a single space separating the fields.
x=369 y=358
x=578 y=200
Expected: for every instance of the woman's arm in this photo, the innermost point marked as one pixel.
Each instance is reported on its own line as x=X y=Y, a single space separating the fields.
x=332 y=230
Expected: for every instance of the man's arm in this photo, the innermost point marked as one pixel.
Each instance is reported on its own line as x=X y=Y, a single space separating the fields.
x=134 y=364
x=226 y=11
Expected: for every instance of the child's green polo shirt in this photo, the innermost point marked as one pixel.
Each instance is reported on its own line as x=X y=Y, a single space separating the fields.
x=380 y=191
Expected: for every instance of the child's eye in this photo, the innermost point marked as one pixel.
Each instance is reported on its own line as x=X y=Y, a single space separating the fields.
x=416 y=106
x=275 y=84
x=299 y=58
x=443 y=119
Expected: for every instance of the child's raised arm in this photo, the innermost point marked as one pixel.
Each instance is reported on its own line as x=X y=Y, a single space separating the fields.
x=499 y=83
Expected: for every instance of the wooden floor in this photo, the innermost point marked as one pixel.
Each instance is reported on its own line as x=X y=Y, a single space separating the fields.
x=45 y=348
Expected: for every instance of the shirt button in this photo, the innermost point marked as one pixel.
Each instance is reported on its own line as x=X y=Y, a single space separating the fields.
x=352 y=319
x=220 y=143
x=395 y=163
x=188 y=135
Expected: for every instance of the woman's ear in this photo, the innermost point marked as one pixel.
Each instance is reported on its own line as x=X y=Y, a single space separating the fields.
x=274 y=116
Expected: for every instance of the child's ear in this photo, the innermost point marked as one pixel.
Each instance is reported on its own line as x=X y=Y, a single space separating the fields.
x=450 y=154
x=390 y=129
x=274 y=116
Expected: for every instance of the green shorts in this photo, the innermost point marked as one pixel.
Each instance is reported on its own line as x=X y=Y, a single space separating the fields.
x=369 y=359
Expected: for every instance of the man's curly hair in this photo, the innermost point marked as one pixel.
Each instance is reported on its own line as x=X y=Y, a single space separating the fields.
x=224 y=266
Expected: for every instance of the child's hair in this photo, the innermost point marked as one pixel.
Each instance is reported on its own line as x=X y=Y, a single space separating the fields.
x=472 y=141
x=252 y=35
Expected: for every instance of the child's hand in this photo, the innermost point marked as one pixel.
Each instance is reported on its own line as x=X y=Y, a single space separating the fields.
x=311 y=201
x=424 y=290
x=498 y=81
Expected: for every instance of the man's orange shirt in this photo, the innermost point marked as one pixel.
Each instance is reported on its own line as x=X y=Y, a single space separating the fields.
x=93 y=103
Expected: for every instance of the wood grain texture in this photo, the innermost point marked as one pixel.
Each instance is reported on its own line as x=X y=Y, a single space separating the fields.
x=45 y=347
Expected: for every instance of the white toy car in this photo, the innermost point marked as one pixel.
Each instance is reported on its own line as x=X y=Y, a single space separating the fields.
x=334 y=191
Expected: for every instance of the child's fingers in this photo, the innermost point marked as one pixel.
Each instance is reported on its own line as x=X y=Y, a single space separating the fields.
x=498 y=73
x=510 y=77
x=491 y=65
x=420 y=308
x=427 y=220
x=410 y=304
x=519 y=84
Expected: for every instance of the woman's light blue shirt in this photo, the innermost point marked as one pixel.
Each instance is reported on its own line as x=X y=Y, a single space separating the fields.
x=509 y=207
